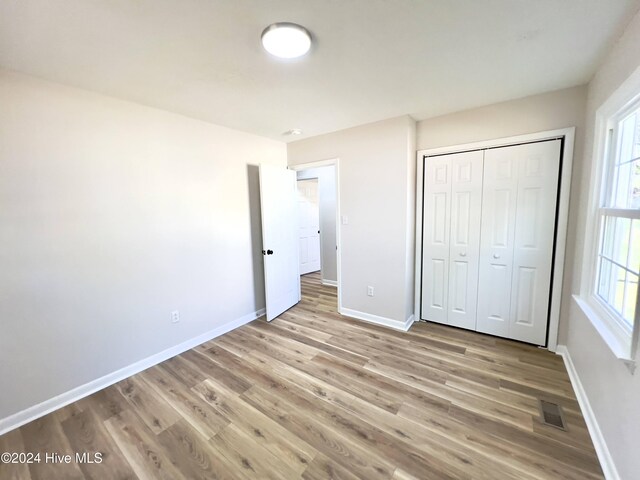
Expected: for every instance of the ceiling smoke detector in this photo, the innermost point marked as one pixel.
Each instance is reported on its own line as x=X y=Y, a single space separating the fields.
x=286 y=40
x=293 y=131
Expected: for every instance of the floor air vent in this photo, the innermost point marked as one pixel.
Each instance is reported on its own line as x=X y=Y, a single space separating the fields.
x=552 y=414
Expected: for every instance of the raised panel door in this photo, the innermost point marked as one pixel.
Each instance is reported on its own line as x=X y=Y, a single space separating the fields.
x=435 y=238
x=464 y=250
x=499 y=194
x=534 y=239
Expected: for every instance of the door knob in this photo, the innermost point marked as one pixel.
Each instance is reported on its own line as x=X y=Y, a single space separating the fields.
x=495 y=255
x=463 y=254
x=269 y=252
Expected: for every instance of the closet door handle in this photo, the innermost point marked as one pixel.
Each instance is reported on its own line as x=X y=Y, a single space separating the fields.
x=463 y=254
x=496 y=255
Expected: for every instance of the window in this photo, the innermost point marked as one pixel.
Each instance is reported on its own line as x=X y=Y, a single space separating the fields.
x=618 y=262
x=613 y=261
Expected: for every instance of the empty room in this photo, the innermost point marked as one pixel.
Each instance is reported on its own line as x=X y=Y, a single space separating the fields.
x=296 y=239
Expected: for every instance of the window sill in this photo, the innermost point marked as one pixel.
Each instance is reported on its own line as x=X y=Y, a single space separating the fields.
x=619 y=345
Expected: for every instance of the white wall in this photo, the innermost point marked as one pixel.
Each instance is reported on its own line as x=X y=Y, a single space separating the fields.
x=111 y=216
x=547 y=111
x=327 y=199
x=613 y=393
x=375 y=175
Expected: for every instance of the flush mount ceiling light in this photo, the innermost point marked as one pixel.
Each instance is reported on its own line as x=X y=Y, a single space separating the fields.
x=286 y=40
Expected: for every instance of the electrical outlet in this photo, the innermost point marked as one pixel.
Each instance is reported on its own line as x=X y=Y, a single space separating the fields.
x=370 y=291
x=175 y=316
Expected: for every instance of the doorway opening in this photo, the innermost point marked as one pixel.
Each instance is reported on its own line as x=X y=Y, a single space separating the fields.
x=318 y=205
x=309 y=224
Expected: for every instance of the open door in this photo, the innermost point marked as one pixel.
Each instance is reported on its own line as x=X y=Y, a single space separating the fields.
x=279 y=238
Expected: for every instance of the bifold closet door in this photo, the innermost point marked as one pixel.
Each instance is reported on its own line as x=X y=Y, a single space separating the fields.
x=435 y=238
x=464 y=238
x=520 y=190
x=451 y=238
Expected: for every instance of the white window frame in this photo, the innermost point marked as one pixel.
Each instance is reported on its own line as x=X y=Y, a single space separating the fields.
x=621 y=339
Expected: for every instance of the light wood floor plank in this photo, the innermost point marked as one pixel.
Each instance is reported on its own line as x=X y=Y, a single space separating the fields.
x=192 y=455
x=12 y=443
x=322 y=468
x=156 y=413
x=401 y=429
x=248 y=456
x=141 y=448
x=88 y=435
x=352 y=455
x=264 y=431
x=45 y=436
x=314 y=395
x=190 y=407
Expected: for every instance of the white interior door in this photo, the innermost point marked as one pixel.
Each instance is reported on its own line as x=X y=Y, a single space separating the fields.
x=278 y=205
x=534 y=237
x=517 y=235
x=435 y=238
x=451 y=238
x=464 y=238
x=497 y=232
x=309 y=225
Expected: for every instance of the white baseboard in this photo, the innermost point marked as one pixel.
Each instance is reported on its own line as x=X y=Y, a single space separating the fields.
x=606 y=461
x=330 y=283
x=41 y=409
x=385 y=322
x=410 y=322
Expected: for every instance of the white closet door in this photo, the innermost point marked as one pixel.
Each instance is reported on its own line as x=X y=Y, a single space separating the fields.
x=464 y=251
x=533 y=246
x=499 y=192
x=516 y=247
x=435 y=238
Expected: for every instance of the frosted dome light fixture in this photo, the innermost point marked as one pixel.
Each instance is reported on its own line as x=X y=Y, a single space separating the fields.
x=286 y=40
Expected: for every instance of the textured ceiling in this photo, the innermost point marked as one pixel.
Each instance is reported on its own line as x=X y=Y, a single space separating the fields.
x=371 y=59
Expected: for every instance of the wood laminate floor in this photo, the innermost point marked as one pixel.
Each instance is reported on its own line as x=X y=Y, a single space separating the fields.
x=315 y=395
